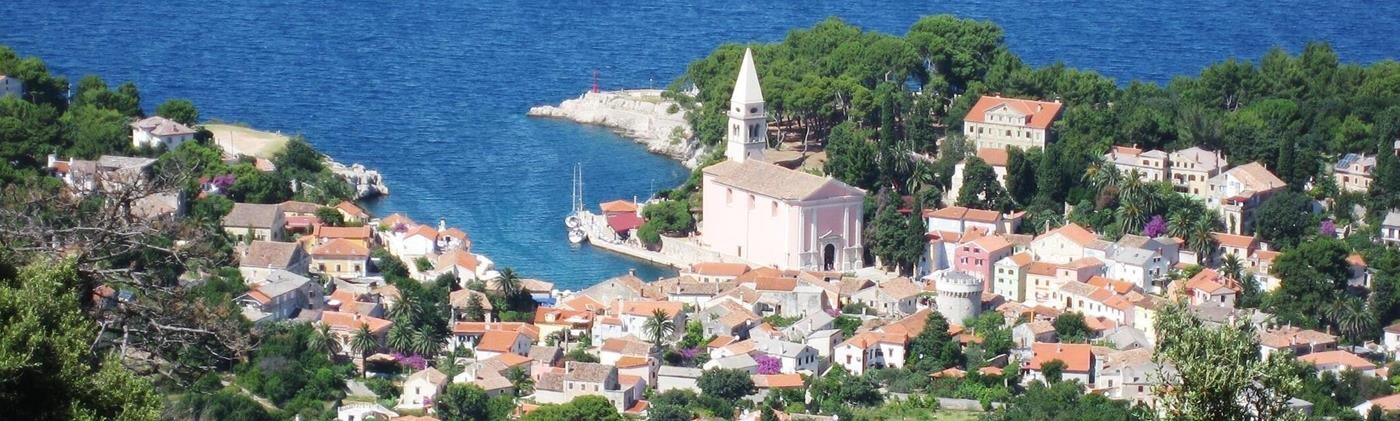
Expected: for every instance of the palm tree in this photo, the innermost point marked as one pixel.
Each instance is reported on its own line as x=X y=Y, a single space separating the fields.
x=364 y=341
x=1102 y=175
x=405 y=309
x=520 y=380
x=1130 y=217
x=659 y=326
x=424 y=344
x=509 y=284
x=400 y=336
x=1201 y=241
x=1352 y=317
x=1179 y=224
x=321 y=340
x=1232 y=267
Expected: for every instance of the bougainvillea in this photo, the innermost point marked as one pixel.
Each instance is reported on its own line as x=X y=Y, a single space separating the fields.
x=768 y=364
x=1328 y=228
x=1155 y=227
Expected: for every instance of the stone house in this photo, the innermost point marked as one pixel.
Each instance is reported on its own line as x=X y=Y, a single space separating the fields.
x=340 y=258
x=278 y=296
x=261 y=258
x=1000 y=123
x=249 y=221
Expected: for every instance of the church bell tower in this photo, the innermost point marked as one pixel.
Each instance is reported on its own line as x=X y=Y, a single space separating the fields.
x=748 y=119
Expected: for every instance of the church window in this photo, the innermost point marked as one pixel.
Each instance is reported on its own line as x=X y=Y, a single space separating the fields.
x=735 y=130
x=753 y=110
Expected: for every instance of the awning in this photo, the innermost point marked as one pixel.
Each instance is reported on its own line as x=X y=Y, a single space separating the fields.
x=623 y=222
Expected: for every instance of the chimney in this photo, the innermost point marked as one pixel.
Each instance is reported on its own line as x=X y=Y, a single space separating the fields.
x=53 y=159
x=631 y=271
x=442 y=224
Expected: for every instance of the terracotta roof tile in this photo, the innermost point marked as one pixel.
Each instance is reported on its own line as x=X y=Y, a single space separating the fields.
x=340 y=247
x=497 y=341
x=719 y=268
x=1078 y=358
x=1041 y=113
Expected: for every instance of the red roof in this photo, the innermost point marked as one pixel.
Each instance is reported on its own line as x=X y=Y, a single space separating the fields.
x=995 y=157
x=351 y=209
x=618 y=206
x=1041 y=113
x=1078 y=358
x=623 y=221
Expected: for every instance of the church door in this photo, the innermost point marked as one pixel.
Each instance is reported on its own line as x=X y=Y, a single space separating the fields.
x=828 y=257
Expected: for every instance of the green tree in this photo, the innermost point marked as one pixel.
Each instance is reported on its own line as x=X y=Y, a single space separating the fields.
x=474 y=312
x=28 y=132
x=468 y=402
x=1061 y=401
x=591 y=407
x=726 y=384
x=298 y=157
x=1312 y=275
x=1384 y=192
x=1020 y=175
x=1219 y=374
x=668 y=217
x=981 y=188
x=181 y=110
x=1285 y=219
x=1052 y=370
x=400 y=336
x=933 y=349
x=520 y=381
x=659 y=326
x=46 y=359
x=850 y=156
x=364 y=342
x=93 y=131
x=1070 y=327
x=330 y=216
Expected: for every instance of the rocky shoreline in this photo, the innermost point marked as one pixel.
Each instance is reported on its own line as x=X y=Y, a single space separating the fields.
x=640 y=114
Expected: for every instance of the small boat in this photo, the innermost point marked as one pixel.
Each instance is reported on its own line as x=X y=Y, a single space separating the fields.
x=577 y=236
x=573 y=222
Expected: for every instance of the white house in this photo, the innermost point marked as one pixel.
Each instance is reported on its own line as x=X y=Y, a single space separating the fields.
x=1064 y=244
x=794 y=356
x=11 y=86
x=1078 y=362
x=1390 y=228
x=497 y=342
x=867 y=350
x=421 y=387
x=159 y=132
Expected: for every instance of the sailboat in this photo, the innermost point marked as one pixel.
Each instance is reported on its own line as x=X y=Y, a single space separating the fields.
x=574 y=222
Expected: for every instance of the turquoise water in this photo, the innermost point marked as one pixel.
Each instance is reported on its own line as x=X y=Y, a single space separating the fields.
x=433 y=93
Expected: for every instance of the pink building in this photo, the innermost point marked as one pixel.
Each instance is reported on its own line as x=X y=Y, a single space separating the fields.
x=769 y=215
x=977 y=257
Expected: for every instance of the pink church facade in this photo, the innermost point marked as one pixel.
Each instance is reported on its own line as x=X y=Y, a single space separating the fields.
x=773 y=216
x=768 y=215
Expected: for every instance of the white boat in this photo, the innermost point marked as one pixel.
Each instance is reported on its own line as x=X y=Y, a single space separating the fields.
x=577 y=236
x=573 y=222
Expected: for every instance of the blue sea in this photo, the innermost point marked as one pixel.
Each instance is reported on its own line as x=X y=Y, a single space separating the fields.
x=433 y=93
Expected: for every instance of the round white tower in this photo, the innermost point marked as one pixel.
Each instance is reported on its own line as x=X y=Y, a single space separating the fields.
x=959 y=296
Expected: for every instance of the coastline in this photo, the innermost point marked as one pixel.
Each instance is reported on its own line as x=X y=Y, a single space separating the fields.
x=642 y=115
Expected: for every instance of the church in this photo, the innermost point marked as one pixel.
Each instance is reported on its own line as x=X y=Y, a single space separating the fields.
x=769 y=215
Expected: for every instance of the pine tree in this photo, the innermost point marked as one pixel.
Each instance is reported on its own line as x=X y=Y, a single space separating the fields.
x=474 y=311
x=1049 y=178
x=1385 y=187
x=1020 y=176
x=920 y=127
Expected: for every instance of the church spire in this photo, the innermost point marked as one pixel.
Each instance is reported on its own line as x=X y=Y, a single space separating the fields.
x=748 y=119
x=746 y=89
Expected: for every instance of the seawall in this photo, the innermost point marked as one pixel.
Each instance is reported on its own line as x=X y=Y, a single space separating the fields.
x=640 y=114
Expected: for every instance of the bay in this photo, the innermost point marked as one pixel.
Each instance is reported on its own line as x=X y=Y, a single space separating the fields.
x=433 y=93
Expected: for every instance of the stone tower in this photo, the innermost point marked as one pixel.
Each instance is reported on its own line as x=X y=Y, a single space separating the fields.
x=748 y=120
x=959 y=296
